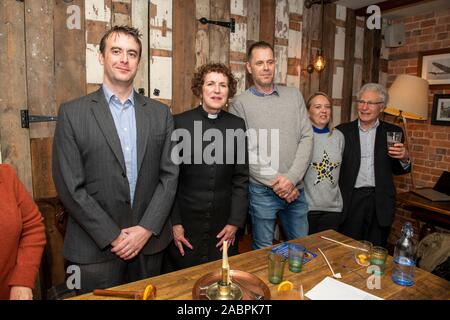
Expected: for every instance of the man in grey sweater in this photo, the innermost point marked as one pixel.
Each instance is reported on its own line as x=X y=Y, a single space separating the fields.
x=280 y=141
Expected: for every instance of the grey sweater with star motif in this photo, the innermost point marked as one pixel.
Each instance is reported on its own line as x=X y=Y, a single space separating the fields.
x=321 y=179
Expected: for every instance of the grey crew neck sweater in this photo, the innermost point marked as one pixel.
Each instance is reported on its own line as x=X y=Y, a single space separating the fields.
x=280 y=136
x=321 y=180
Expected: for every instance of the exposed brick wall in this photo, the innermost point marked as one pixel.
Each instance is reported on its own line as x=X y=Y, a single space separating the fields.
x=429 y=144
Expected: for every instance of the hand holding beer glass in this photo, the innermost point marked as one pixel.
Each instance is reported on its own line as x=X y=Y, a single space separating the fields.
x=396 y=149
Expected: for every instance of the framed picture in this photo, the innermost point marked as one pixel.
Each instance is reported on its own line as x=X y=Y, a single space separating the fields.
x=441 y=110
x=434 y=66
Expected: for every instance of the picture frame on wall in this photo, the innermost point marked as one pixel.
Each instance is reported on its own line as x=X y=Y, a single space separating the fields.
x=434 y=66
x=440 y=114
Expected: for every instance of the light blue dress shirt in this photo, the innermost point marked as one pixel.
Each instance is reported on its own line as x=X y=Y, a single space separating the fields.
x=366 y=174
x=257 y=93
x=125 y=122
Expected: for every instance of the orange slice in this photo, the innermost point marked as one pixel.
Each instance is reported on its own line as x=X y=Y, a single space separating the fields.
x=362 y=258
x=149 y=292
x=285 y=286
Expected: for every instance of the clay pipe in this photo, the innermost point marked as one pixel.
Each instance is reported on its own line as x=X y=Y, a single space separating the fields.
x=122 y=294
x=148 y=294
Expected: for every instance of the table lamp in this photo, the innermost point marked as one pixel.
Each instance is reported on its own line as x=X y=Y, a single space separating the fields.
x=408 y=99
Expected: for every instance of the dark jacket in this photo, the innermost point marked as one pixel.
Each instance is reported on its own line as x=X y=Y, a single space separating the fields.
x=385 y=167
x=209 y=196
x=90 y=176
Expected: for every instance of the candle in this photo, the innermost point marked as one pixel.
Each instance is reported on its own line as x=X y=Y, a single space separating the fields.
x=225 y=254
x=225 y=265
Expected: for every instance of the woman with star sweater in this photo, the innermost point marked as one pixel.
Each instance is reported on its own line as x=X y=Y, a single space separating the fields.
x=321 y=179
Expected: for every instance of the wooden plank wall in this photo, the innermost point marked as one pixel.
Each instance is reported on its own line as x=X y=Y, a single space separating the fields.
x=161 y=50
x=328 y=40
x=219 y=37
x=15 y=143
x=338 y=62
x=121 y=12
x=98 y=20
x=70 y=58
x=139 y=19
x=358 y=64
x=383 y=67
x=56 y=75
x=41 y=90
x=347 y=84
x=311 y=33
x=371 y=56
x=267 y=19
x=295 y=43
x=238 y=42
x=184 y=52
x=49 y=54
x=281 y=40
x=202 y=10
x=253 y=30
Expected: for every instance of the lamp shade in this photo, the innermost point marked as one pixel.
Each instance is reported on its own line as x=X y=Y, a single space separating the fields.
x=408 y=95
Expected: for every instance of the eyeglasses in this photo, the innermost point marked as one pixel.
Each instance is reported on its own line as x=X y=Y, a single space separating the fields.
x=369 y=103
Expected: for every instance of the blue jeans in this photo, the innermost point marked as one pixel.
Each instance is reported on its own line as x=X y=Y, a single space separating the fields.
x=263 y=209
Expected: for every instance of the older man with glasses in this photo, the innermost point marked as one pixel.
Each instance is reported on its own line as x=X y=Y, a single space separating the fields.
x=368 y=166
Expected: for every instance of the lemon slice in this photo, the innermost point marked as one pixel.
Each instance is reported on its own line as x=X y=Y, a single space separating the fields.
x=148 y=292
x=285 y=286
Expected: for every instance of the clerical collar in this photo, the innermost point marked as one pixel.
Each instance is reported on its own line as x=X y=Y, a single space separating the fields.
x=211 y=116
x=318 y=130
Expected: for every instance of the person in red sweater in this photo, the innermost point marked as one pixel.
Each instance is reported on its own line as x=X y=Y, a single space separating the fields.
x=22 y=238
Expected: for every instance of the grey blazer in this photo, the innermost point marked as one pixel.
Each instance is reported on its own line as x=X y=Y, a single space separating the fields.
x=89 y=175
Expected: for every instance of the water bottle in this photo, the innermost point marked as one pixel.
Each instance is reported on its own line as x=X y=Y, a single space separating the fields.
x=404 y=257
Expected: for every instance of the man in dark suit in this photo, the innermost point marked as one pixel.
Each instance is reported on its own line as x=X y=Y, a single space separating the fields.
x=113 y=172
x=366 y=180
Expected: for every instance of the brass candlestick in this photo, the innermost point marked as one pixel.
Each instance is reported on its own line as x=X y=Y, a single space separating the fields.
x=224 y=289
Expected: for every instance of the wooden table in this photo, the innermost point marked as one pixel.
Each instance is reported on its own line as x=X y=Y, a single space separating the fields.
x=410 y=198
x=430 y=212
x=178 y=285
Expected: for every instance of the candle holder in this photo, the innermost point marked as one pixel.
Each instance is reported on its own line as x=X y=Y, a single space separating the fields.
x=223 y=291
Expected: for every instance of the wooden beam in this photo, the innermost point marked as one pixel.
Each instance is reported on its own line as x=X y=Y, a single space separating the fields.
x=70 y=57
x=371 y=58
x=281 y=41
x=388 y=5
x=139 y=19
x=238 y=42
x=183 y=54
x=219 y=37
x=202 y=10
x=41 y=165
x=41 y=90
x=267 y=21
x=40 y=64
x=161 y=46
x=253 y=31
x=347 y=87
x=309 y=82
x=15 y=142
x=329 y=35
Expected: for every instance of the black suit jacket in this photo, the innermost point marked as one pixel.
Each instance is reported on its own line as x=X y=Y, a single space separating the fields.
x=90 y=176
x=385 y=167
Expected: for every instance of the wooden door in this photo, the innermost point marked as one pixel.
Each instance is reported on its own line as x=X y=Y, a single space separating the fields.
x=48 y=51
